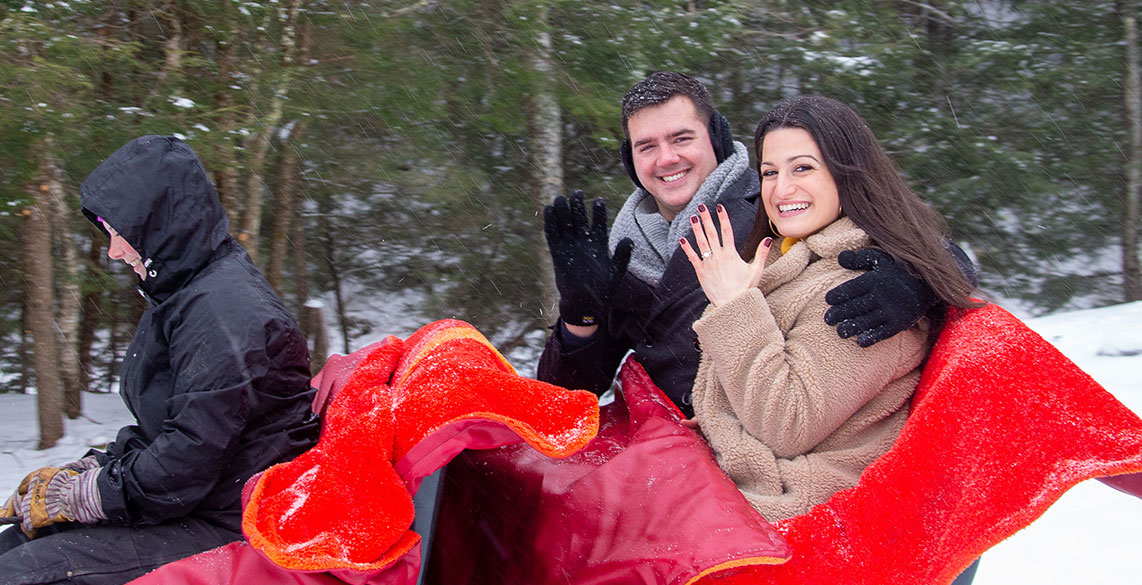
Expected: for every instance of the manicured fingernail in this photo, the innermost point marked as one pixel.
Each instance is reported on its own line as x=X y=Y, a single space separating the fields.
x=702 y=208
x=693 y=219
x=682 y=241
x=720 y=208
x=767 y=242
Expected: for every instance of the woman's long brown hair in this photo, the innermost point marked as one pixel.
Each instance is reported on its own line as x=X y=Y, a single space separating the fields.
x=872 y=193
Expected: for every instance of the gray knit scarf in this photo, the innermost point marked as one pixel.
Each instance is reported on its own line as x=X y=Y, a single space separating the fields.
x=656 y=239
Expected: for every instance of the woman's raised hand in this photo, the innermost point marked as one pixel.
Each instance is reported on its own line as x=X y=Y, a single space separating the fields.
x=721 y=271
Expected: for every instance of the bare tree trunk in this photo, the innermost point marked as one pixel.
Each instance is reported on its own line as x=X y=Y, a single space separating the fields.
x=313 y=314
x=288 y=203
x=226 y=171
x=546 y=159
x=1132 y=280
x=113 y=341
x=284 y=212
x=68 y=320
x=170 y=22
x=255 y=184
x=297 y=227
x=26 y=373
x=252 y=211
x=300 y=264
x=91 y=311
x=38 y=288
x=329 y=255
x=172 y=46
x=939 y=39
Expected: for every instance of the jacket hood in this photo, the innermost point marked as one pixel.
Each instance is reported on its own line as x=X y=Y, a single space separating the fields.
x=156 y=194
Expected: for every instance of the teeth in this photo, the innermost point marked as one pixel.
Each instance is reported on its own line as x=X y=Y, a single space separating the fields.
x=674 y=177
x=784 y=207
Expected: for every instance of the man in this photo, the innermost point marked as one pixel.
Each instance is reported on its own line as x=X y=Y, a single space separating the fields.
x=634 y=293
x=216 y=376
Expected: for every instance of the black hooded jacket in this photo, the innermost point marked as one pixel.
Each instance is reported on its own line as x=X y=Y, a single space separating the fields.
x=217 y=374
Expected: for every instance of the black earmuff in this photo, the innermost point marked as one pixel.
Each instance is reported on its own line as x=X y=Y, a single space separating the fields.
x=628 y=162
x=721 y=138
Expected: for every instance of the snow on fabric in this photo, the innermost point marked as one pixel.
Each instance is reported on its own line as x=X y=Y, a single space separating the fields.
x=1001 y=426
x=345 y=507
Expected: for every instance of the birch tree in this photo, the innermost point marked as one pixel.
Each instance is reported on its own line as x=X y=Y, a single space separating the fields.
x=545 y=154
x=1132 y=196
x=67 y=292
x=39 y=292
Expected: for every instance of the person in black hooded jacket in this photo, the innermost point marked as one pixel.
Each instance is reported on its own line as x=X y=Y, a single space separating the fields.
x=216 y=376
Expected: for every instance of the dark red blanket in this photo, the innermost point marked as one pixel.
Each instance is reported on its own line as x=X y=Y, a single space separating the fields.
x=1002 y=425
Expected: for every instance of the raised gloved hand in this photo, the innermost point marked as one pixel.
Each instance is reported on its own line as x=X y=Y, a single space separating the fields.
x=879 y=303
x=60 y=495
x=586 y=273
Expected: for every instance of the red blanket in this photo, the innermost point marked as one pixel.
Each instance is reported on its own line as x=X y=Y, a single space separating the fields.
x=645 y=502
x=1001 y=426
x=341 y=511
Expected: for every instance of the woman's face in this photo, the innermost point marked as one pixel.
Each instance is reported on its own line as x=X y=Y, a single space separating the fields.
x=119 y=249
x=797 y=189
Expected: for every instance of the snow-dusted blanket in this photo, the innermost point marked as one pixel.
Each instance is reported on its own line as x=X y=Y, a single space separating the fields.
x=1001 y=426
x=400 y=410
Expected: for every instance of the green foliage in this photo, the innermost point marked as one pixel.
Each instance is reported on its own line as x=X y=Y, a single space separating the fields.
x=1006 y=116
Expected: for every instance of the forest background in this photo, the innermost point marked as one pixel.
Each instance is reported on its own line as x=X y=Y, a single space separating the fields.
x=392 y=158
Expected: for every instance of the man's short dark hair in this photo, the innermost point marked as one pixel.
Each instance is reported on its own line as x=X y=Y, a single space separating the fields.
x=660 y=87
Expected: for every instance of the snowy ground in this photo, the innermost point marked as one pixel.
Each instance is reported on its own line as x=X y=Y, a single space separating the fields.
x=1092 y=535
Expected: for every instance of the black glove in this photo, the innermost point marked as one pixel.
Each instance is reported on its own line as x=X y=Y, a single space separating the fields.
x=879 y=303
x=585 y=272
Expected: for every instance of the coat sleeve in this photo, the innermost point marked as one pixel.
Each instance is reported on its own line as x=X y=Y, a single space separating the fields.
x=791 y=391
x=584 y=365
x=215 y=359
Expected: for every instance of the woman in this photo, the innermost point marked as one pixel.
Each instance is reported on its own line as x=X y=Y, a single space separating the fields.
x=793 y=412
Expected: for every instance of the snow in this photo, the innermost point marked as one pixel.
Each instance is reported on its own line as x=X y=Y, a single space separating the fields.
x=181 y=102
x=1089 y=536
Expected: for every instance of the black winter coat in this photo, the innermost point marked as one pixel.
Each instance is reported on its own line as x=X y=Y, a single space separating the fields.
x=655 y=322
x=217 y=374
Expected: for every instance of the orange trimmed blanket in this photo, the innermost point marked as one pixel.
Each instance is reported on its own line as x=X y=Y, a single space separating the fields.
x=1001 y=426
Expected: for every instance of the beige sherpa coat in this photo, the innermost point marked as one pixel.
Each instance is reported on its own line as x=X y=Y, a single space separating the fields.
x=794 y=412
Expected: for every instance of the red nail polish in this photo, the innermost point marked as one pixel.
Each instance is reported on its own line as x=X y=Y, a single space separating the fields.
x=767 y=242
x=702 y=208
x=682 y=241
x=693 y=219
x=720 y=208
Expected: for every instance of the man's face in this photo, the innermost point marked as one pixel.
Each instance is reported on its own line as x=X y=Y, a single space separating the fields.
x=670 y=145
